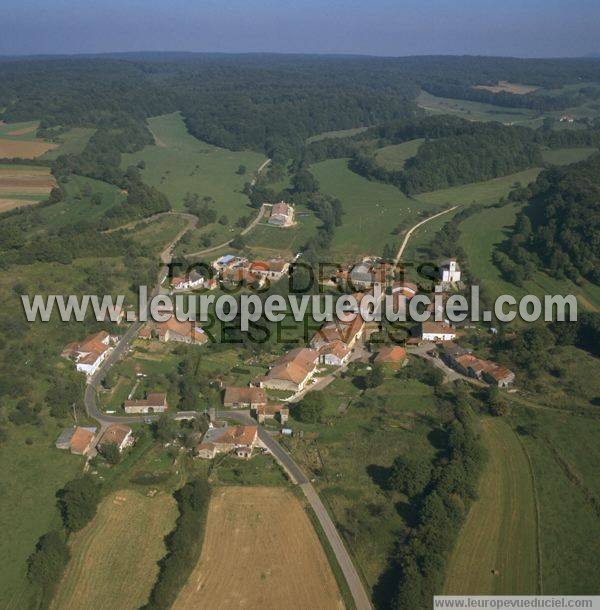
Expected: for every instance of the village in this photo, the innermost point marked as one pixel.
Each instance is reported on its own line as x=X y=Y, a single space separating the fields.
x=270 y=398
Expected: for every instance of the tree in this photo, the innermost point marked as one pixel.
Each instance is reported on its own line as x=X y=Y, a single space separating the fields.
x=111 y=453
x=497 y=403
x=241 y=170
x=165 y=429
x=310 y=409
x=77 y=502
x=223 y=220
x=238 y=242
x=409 y=475
x=46 y=564
x=375 y=376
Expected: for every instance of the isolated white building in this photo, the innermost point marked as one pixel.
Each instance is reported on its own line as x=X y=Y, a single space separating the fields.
x=450 y=271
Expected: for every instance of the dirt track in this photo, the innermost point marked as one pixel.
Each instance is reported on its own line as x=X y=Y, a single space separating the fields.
x=260 y=551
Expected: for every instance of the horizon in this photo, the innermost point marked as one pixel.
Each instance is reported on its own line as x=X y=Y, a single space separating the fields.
x=382 y=29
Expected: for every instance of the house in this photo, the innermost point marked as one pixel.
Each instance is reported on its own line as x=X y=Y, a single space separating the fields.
x=82 y=440
x=335 y=353
x=116 y=434
x=273 y=269
x=450 y=271
x=437 y=331
x=90 y=353
x=114 y=313
x=348 y=331
x=189 y=282
x=78 y=439
x=393 y=355
x=153 y=403
x=248 y=397
x=237 y=440
x=292 y=371
x=225 y=262
x=242 y=276
x=279 y=412
x=282 y=214
x=366 y=275
x=182 y=332
x=567 y=118
x=498 y=375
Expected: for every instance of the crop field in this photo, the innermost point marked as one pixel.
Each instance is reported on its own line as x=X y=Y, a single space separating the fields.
x=22 y=182
x=395 y=156
x=113 y=559
x=371 y=210
x=564 y=450
x=479 y=235
x=18 y=140
x=506 y=87
x=564 y=156
x=496 y=551
x=260 y=550
x=475 y=111
x=179 y=163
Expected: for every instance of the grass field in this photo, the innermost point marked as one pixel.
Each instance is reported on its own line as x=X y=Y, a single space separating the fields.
x=18 y=140
x=23 y=182
x=180 y=164
x=71 y=142
x=113 y=559
x=564 y=450
x=354 y=443
x=564 y=156
x=395 y=156
x=342 y=133
x=496 y=551
x=482 y=231
x=260 y=550
x=29 y=478
x=506 y=87
x=371 y=210
x=475 y=111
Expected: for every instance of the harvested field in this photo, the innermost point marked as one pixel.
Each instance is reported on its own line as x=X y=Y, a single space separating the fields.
x=506 y=87
x=260 y=551
x=17 y=181
x=496 y=551
x=23 y=149
x=113 y=559
x=11 y=204
x=22 y=132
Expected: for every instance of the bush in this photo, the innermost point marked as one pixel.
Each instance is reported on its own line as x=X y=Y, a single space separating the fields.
x=78 y=501
x=46 y=565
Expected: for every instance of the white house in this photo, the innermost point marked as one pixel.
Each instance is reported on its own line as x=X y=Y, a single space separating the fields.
x=282 y=214
x=190 y=282
x=90 y=353
x=437 y=331
x=450 y=271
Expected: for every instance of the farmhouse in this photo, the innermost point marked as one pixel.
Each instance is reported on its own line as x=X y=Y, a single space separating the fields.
x=273 y=269
x=90 y=353
x=335 y=340
x=393 y=355
x=153 y=403
x=249 y=397
x=467 y=364
x=188 y=282
x=228 y=261
x=365 y=275
x=437 y=331
x=282 y=214
x=450 y=271
x=77 y=439
x=116 y=434
x=334 y=353
x=292 y=371
x=242 y=276
x=279 y=412
x=237 y=440
x=182 y=332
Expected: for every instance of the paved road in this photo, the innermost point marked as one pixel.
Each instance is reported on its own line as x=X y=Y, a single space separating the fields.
x=357 y=589
x=249 y=228
x=419 y=224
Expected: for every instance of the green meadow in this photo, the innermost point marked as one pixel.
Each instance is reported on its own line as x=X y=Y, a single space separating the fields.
x=341 y=133
x=27 y=129
x=476 y=111
x=72 y=142
x=371 y=209
x=178 y=164
x=565 y=156
x=395 y=156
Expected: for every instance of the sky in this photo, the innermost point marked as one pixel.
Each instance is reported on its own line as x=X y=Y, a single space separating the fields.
x=522 y=28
